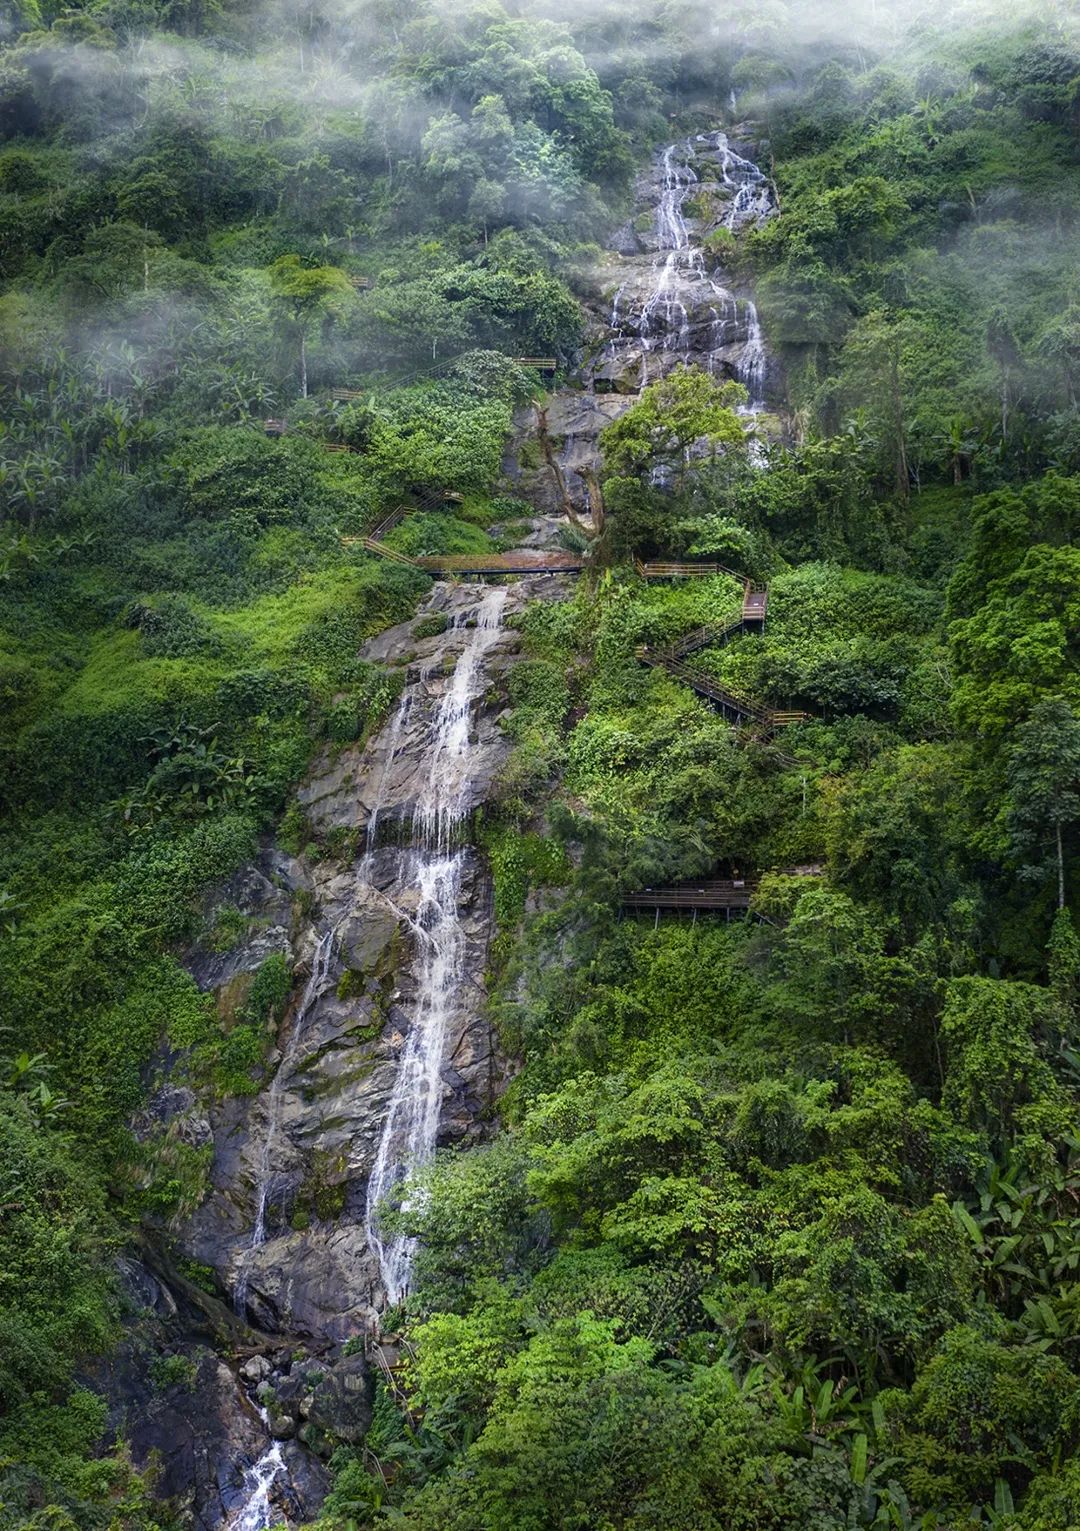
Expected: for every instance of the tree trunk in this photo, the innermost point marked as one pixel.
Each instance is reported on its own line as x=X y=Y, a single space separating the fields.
x=596 y=497
x=1061 y=869
x=556 y=472
x=303 y=365
x=903 y=487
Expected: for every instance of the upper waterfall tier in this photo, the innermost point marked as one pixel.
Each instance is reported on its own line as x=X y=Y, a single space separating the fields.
x=671 y=303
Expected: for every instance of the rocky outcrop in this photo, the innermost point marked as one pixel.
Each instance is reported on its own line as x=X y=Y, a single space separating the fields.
x=182 y=1410
x=314 y=1275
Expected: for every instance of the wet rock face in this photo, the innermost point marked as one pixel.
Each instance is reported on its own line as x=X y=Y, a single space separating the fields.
x=181 y=1408
x=313 y=1283
x=658 y=300
x=670 y=302
x=392 y=769
x=314 y=1275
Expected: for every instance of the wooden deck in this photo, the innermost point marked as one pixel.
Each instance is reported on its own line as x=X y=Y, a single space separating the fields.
x=709 y=893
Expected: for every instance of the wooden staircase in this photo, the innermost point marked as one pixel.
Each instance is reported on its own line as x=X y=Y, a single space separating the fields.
x=755 y=605
x=767 y=719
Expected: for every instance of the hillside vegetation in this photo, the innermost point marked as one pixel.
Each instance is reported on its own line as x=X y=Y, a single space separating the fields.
x=781 y=1225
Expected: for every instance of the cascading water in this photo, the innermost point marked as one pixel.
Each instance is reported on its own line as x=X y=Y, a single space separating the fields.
x=687 y=313
x=264 y=1184
x=434 y=869
x=436 y=866
x=256 y=1513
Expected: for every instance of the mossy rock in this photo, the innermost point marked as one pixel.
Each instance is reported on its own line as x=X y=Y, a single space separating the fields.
x=323 y=1193
x=372 y=1031
x=330 y=1202
x=232 y=998
x=431 y=626
x=352 y=984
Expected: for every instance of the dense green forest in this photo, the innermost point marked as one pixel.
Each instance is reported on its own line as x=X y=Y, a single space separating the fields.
x=779 y=1227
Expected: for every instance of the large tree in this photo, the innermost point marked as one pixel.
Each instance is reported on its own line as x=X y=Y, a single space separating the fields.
x=1044 y=789
x=685 y=413
x=308 y=296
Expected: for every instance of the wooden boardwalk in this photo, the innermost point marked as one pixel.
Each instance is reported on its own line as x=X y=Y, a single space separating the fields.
x=717 y=893
x=755 y=603
x=525 y=561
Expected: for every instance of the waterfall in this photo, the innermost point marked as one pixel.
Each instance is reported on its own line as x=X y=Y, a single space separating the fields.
x=753 y=361
x=264 y=1184
x=436 y=866
x=682 y=287
x=256 y=1512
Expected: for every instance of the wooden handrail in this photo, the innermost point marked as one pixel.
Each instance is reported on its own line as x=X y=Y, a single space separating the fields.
x=705 y=686
x=392 y=553
x=670 y=569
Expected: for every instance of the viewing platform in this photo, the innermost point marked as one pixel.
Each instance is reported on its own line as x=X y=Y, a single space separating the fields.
x=709 y=894
x=667 y=569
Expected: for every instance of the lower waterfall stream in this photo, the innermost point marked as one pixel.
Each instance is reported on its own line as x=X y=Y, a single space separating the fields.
x=433 y=868
x=412 y=1121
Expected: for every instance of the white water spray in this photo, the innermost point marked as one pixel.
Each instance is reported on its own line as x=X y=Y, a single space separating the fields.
x=256 y=1513
x=436 y=866
x=666 y=320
